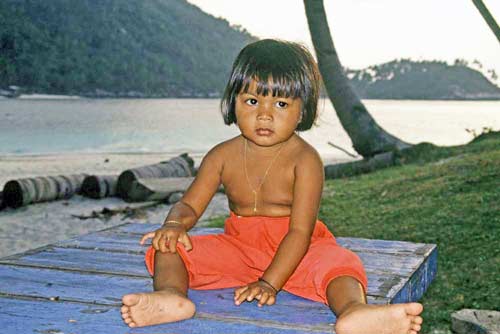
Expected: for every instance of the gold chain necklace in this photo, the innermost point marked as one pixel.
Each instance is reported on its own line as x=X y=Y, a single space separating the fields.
x=263 y=178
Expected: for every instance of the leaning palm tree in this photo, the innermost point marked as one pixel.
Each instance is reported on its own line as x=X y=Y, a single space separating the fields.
x=485 y=13
x=367 y=136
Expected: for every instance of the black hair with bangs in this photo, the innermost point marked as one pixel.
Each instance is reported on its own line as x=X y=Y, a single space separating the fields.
x=285 y=69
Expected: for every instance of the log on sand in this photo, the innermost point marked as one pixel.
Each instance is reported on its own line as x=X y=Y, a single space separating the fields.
x=181 y=166
x=21 y=192
x=158 y=189
x=100 y=186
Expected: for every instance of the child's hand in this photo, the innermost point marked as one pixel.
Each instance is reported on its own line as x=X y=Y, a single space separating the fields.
x=255 y=290
x=165 y=238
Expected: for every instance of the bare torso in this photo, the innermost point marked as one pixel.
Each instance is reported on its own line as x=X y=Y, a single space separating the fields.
x=274 y=198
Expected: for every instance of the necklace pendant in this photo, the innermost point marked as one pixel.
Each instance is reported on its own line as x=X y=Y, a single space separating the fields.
x=254 y=201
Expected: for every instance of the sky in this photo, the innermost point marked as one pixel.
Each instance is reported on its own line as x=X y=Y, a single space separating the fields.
x=370 y=32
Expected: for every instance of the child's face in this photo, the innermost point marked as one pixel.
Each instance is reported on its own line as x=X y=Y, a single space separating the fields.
x=266 y=120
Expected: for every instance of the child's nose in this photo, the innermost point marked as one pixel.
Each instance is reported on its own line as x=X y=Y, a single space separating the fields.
x=264 y=112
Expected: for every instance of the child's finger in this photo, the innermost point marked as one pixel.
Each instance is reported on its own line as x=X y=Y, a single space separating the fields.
x=186 y=241
x=271 y=300
x=242 y=297
x=146 y=237
x=239 y=291
x=263 y=299
x=155 y=240
x=162 y=243
x=172 y=243
x=253 y=292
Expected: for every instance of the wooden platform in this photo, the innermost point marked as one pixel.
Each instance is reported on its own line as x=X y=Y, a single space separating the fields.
x=76 y=286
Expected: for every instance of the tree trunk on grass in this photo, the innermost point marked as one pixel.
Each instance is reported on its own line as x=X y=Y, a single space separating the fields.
x=368 y=138
x=485 y=13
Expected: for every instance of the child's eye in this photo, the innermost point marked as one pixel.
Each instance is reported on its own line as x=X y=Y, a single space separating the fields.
x=281 y=104
x=251 y=102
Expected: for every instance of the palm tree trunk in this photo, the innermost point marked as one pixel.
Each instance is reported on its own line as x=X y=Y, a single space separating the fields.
x=485 y=13
x=367 y=136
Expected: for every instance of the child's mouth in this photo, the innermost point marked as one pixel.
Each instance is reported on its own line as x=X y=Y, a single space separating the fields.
x=264 y=132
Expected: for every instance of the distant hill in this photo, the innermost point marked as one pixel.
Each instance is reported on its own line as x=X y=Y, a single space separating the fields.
x=115 y=48
x=406 y=79
x=170 y=48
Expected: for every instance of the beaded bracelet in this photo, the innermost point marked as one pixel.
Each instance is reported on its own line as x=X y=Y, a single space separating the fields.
x=269 y=284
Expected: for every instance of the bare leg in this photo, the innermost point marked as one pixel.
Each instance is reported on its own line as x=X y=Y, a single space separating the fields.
x=168 y=302
x=347 y=300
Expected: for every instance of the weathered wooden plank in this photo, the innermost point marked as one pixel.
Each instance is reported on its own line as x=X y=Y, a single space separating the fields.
x=82 y=260
x=70 y=286
x=87 y=287
x=403 y=248
x=384 y=281
x=38 y=316
x=118 y=263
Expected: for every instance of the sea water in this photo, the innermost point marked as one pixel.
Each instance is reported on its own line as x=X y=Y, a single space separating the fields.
x=55 y=126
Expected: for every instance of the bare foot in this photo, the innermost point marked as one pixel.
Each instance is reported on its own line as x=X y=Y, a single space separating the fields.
x=158 y=307
x=380 y=319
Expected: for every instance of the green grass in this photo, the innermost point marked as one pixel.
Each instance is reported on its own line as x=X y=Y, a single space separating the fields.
x=447 y=196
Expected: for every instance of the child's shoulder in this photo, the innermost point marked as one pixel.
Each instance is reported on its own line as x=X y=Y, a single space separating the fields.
x=305 y=153
x=223 y=150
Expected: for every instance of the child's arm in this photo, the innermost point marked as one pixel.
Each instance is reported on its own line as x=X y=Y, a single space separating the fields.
x=308 y=186
x=184 y=214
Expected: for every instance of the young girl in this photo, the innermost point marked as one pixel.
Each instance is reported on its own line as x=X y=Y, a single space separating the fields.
x=272 y=240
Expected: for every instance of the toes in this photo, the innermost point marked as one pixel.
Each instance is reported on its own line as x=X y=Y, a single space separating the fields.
x=124 y=309
x=131 y=300
x=414 y=308
x=412 y=332
x=417 y=320
x=416 y=328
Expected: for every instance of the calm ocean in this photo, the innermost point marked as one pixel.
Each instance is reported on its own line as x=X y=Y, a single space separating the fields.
x=42 y=126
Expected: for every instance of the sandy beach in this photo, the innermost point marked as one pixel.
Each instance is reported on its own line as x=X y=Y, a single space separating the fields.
x=39 y=224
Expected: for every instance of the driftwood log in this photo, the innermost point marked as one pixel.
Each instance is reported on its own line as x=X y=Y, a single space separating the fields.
x=378 y=161
x=40 y=189
x=158 y=189
x=100 y=186
x=181 y=166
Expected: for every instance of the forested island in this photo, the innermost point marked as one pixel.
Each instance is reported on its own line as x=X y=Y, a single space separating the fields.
x=160 y=48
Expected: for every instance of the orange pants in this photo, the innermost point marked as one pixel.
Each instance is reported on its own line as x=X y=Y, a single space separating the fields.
x=243 y=252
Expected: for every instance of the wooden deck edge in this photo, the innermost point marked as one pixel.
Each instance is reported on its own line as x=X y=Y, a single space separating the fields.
x=419 y=281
